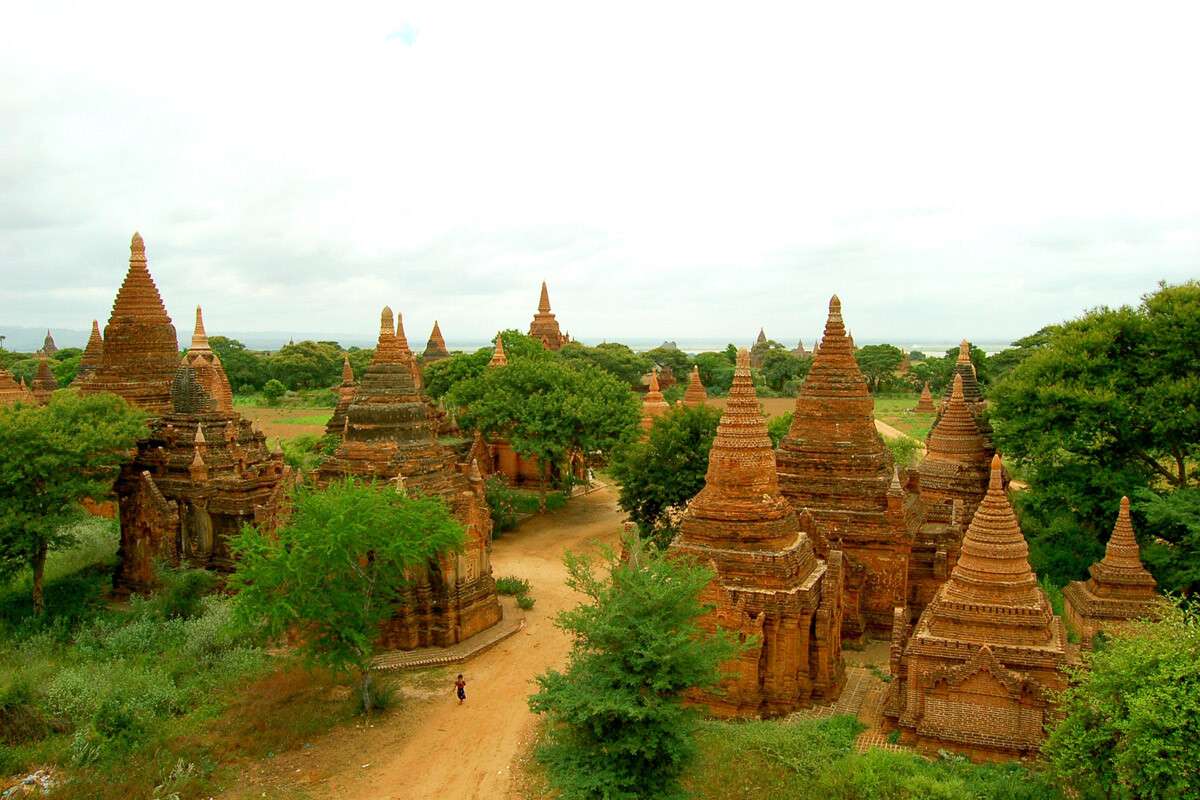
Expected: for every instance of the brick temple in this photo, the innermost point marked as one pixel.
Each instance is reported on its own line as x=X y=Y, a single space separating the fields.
x=695 y=394
x=435 y=348
x=345 y=392
x=92 y=355
x=390 y=436
x=141 y=351
x=925 y=404
x=978 y=670
x=834 y=464
x=44 y=383
x=1118 y=590
x=12 y=392
x=653 y=404
x=769 y=585
x=544 y=327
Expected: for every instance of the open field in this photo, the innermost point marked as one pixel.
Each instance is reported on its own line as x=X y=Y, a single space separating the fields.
x=286 y=423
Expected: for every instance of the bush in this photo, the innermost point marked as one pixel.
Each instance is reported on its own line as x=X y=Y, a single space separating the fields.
x=509 y=585
x=906 y=451
x=273 y=390
x=525 y=602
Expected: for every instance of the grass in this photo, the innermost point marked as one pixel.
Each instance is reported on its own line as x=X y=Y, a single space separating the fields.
x=896 y=410
x=308 y=419
x=301 y=398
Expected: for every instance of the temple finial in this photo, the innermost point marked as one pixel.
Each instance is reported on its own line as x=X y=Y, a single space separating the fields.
x=964 y=352
x=996 y=481
x=544 y=301
x=199 y=337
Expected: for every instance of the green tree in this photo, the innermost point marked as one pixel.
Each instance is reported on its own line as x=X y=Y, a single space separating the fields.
x=336 y=570
x=307 y=365
x=441 y=376
x=780 y=367
x=618 y=728
x=878 y=363
x=777 y=427
x=51 y=458
x=273 y=390
x=1003 y=362
x=547 y=409
x=679 y=361
x=1108 y=406
x=616 y=359
x=667 y=470
x=716 y=372
x=519 y=346
x=243 y=367
x=1130 y=724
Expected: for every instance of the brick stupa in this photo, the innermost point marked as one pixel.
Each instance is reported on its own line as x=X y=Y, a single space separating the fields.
x=977 y=672
x=769 y=584
x=499 y=357
x=201 y=474
x=544 y=327
x=925 y=404
x=345 y=392
x=834 y=463
x=92 y=355
x=653 y=404
x=695 y=394
x=390 y=436
x=48 y=345
x=1119 y=589
x=12 y=392
x=799 y=351
x=141 y=351
x=435 y=348
x=43 y=384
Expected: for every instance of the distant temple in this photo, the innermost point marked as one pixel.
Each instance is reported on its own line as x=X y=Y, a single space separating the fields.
x=44 y=383
x=141 y=351
x=48 y=345
x=544 y=327
x=1119 y=589
x=435 y=348
x=92 y=355
x=925 y=404
x=972 y=395
x=770 y=588
x=978 y=671
x=695 y=394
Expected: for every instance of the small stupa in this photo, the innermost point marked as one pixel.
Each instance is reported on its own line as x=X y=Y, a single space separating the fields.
x=544 y=327
x=499 y=359
x=1120 y=588
x=345 y=392
x=435 y=348
x=44 y=383
x=925 y=404
x=769 y=584
x=653 y=404
x=12 y=392
x=92 y=355
x=209 y=370
x=695 y=394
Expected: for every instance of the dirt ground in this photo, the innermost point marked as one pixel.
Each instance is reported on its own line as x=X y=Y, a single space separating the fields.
x=435 y=748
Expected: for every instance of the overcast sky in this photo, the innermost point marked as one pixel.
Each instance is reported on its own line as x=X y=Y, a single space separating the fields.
x=673 y=170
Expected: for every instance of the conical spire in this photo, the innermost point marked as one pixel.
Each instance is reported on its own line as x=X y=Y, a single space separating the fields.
x=993 y=569
x=956 y=436
x=138 y=297
x=387 y=349
x=762 y=337
x=654 y=381
x=499 y=359
x=199 y=439
x=199 y=337
x=695 y=394
x=544 y=300
x=964 y=352
x=544 y=326
x=1122 y=562
x=741 y=457
x=435 y=348
x=347 y=370
x=44 y=383
x=93 y=354
x=401 y=339
x=925 y=404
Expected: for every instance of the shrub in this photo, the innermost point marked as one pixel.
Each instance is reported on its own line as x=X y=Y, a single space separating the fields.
x=525 y=602
x=510 y=585
x=273 y=390
x=905 y=450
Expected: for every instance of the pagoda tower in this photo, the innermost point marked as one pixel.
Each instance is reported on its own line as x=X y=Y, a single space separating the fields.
x=1119 y=589
x=833 y=463
x=953 y=479
x=345 y=391
x=695 y=394
x=769 y=583
x=544 y=327
x=44 y=384
x=653 y=405
x=972 y=394
x=48 y=345
x=390 y=436
x=499 y=358
x=12 y=392
x=140 y=347
x=92 y=355
x=925 y=404
x=978 y=671
x=800 y=352
x=435 y=348
x=758 y=350
x=201 y=474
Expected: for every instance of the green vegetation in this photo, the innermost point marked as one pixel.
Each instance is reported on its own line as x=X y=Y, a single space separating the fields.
x=616 y=359
x=906 y=452
x=516 y=587
x=878 y=363
x=617 y=726
x=298 y=365
x=782 y=371
x=334 y=572
x=306 y=452
x=755 y=760
x=665 y=471
x=1103 y=406
x=716 y=372
x=896 y=409
x=273 y=391
x=778 y=427
x=51 y=458
x=1131 y=726
x=508 y=505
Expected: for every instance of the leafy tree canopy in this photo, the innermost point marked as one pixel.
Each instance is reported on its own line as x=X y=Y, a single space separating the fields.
x=335 y=571
x=51 y=458
x=616 y=359
x=783 y=369
x=878 y=363
x=679 y=361
x=308 y=365
x=716 y=372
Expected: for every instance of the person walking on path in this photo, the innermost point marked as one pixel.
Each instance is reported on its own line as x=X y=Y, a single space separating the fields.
x=460 y=688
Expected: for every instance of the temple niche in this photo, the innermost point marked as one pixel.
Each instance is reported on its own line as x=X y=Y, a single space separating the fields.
x=141 y=351
x=435 y=348
x=925 y=404
x=200 y=475
x=834 y=464
x=653 y=405
x=978 y=671
x=769 y=585
x=544 y=327
x=1119 y=590
x=695 y=394
x=390 y=436
x=92 y=354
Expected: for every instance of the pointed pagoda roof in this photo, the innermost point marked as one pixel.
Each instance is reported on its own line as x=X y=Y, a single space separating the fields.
x=740 y=506
x=401 y=339
x=544 y=300
x=48 y=345
x=208 y=368
x=833 y=460
x=653 y=404
x=762 y=337
x=1122 y=563
x=956 y=436
x=387 y=348
x=925 y=404
x=499 y=359
x=93 y=353
x=957 y=463
x=544 y=326
x=199 y=336
x=140 y=346
x=435 y=348
x=695 y=394
x=347 y=370
x=44 y=382
x=966 y=368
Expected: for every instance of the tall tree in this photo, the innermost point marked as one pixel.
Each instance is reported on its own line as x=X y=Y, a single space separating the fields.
x=781 y=367
x=659 y=475
x=51 y=458
x=618 y=726
x=335 y=571
x=716 y=371
x=1109 y=405
x=878 y=363
x=616 y=359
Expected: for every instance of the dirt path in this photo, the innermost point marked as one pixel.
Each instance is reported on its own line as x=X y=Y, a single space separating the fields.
x=439 y=749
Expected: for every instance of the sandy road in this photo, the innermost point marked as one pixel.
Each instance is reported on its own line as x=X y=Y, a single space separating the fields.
x=450 y=751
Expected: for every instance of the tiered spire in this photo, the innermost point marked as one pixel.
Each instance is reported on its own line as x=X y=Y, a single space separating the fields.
x=957 y=460
x=1122 y=562
x=545 y=327
x=387 y=349
x=44 y=383
x=92 y=354
x=499 y=359
x=544 y=300
x=207 y=364
x=48 y=345
x=435 y=348
x=653 y=405
x=925 y=404
x=695 y=394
